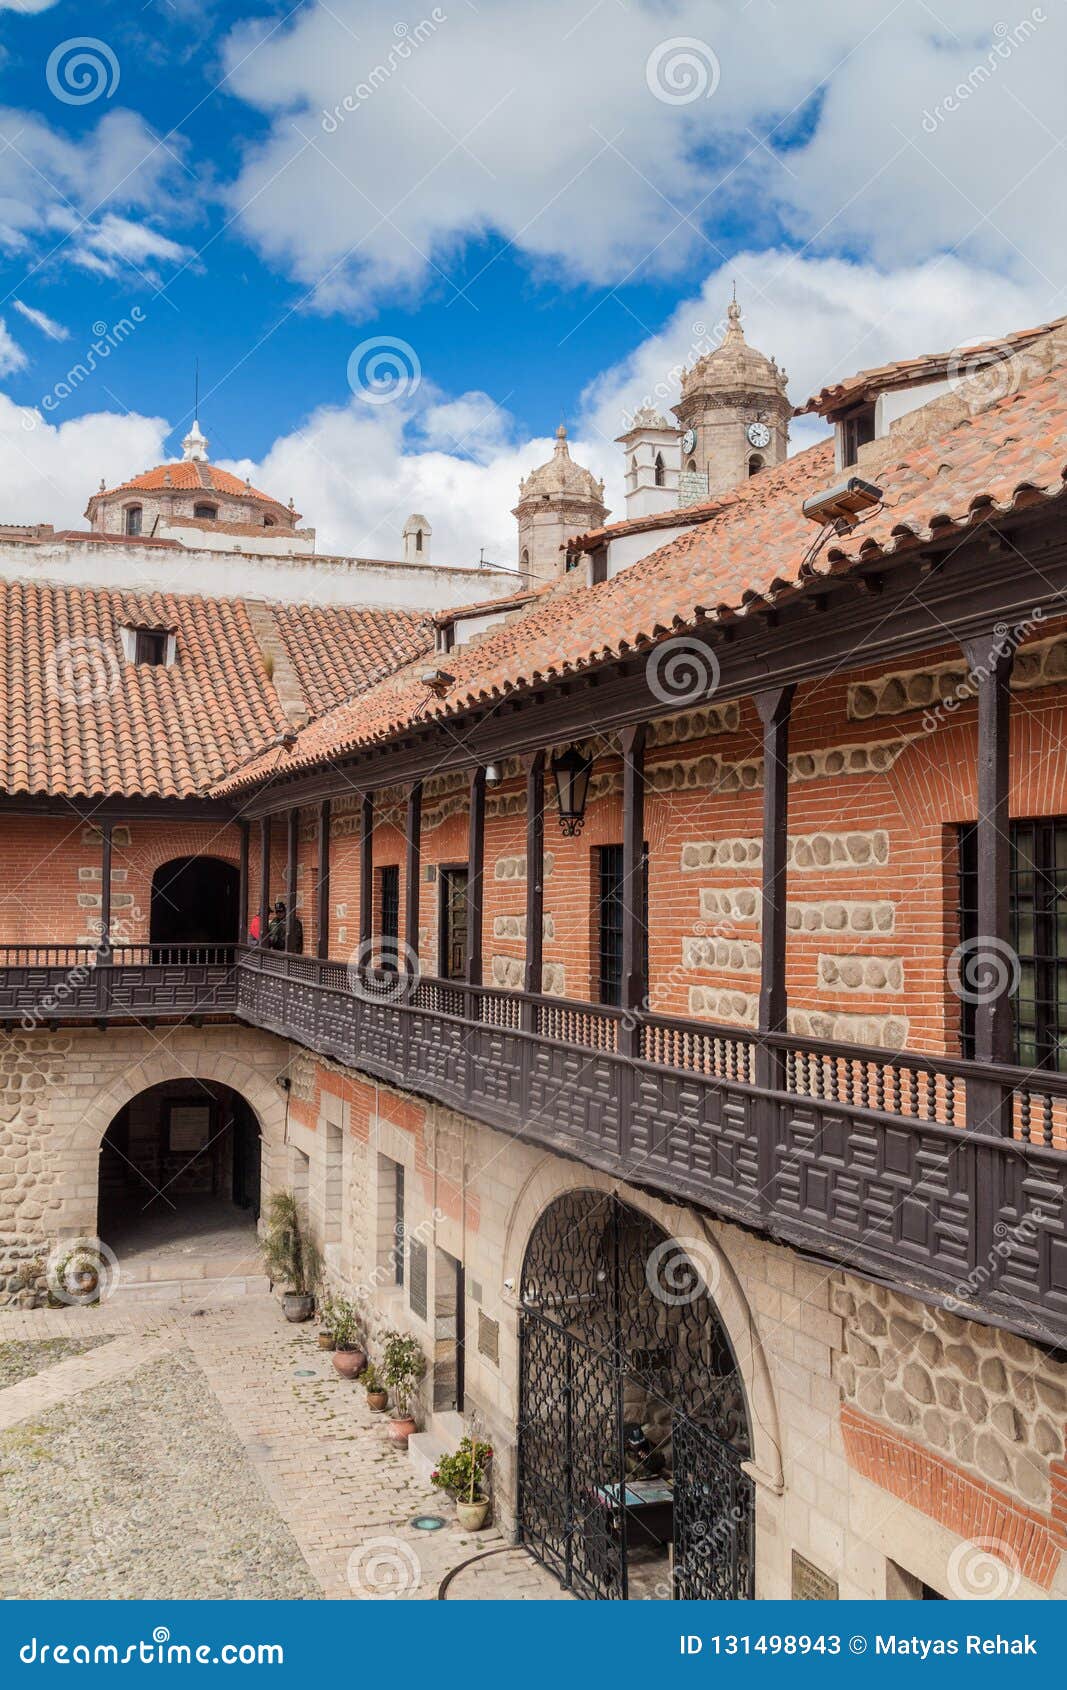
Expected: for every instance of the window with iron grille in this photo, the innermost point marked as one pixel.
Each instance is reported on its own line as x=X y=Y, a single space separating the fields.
x=398 y=1223
x=389 y=900
x=1038 y=937
x=608 y=889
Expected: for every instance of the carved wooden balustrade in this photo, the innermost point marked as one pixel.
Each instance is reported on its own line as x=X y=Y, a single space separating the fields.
x=866 y=1157
x=863 y=1156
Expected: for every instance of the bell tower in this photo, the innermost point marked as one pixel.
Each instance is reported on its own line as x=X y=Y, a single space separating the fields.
x=556 y=500
x=734 y=414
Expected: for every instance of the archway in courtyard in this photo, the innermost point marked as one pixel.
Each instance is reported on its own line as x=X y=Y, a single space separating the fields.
x=194 y=902
x=179 y=1176
x=632 y=1413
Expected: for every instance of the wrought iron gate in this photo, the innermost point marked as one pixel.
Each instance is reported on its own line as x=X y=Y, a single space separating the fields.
x=632 y=1420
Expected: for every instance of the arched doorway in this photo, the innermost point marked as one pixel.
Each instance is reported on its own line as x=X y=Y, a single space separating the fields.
x=194 y=902
x=632 y=1414
x=179 y=1173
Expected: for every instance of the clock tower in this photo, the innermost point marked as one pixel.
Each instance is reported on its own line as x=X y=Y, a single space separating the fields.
x=734 y=416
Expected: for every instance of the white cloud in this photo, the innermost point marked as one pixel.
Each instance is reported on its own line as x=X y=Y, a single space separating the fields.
x=40 y=320
x=822 y=318
x=533 y=120
x=48 y=470
x=358 y=471
x=12 y=356
x=63 y=200
x=29 y=7
x=114 y=243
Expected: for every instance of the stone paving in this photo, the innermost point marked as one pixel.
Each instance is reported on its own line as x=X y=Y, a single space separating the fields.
x=215 y=1452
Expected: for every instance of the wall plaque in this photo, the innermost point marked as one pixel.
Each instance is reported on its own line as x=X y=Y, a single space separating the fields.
x=811 y=1585
x=417 y=1295
x=189 y=1127
x=488 y=1337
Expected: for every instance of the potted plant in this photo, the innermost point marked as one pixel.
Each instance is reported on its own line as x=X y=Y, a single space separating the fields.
x=349 y=1355
x=325 y=1337
x=403 y=1365
x=377 y=1395
x=463 y=1476
x=291 y=1256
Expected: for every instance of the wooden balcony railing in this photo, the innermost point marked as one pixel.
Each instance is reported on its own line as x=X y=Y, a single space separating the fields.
x=862 y=1156
x=867 y=1157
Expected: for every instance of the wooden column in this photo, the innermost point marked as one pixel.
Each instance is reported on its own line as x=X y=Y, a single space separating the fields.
x=292 y=847
x=774 y=706
x=989 y=965
x=412 y=877
x=322 y=923
x=264 y=878
x=634 y=934
x=535 y=872
x=105 y=885
x=475 y=874
x=366 y=879
x=242 y=885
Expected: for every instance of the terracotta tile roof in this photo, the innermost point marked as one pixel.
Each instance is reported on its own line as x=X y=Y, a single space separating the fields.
x=482 y=607
x=191 y=477
x=338 y=652
x=982 y=463
x=80 y=721
x=683 y=517
x=928 y=366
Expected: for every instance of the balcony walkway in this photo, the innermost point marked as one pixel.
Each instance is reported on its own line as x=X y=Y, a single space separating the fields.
x=941 y=1177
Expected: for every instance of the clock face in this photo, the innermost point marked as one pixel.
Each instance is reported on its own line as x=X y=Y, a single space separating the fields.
x=689 y=440
x=758 y=434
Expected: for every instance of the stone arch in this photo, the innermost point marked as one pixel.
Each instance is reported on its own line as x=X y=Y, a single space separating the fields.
x=551 y=1179
x=81 y=1149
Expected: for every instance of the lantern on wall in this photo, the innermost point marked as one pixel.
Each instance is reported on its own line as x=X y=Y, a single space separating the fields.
x=571 y=770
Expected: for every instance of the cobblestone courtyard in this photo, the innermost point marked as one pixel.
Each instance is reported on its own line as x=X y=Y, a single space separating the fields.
x=217 y=1454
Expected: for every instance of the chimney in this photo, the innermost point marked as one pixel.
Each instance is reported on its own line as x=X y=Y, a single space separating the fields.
x=417 y=533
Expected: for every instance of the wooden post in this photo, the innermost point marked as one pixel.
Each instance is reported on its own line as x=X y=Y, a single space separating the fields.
x=366 y=879
x=634 y=934
x=412 y=878
x=292 y=848
x=990 y=966
x=322 y=922
x=264 y=878
x=242 y=885
x=475 y=870
x=105 y=885
x=774 y=706
x=533 y=977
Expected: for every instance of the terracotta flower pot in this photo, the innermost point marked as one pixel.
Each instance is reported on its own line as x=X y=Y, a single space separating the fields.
x=325 y=1341
x=298 y=1305
x=349 y=1363
x=377 y=1400
x=400 y=1429
x=471 y=1515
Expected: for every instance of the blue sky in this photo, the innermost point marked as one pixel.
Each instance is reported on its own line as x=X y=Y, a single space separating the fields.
x=545 y=204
